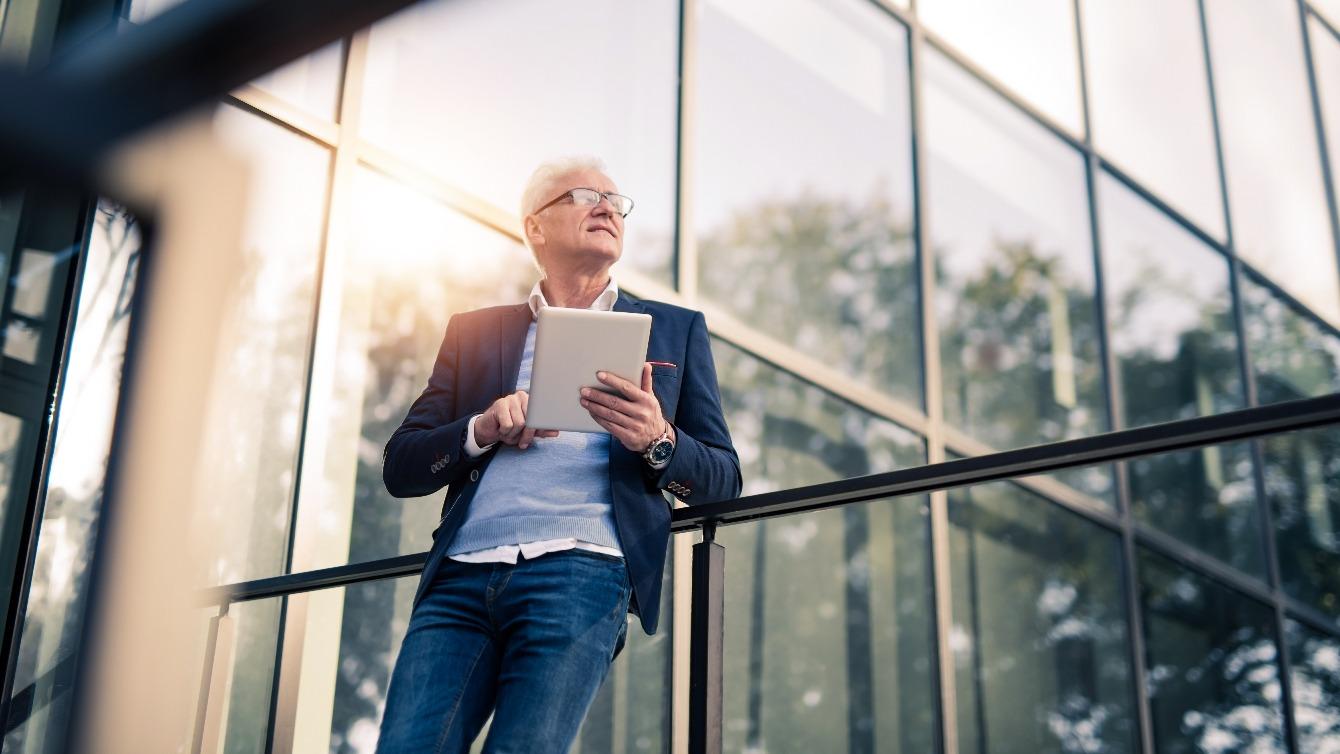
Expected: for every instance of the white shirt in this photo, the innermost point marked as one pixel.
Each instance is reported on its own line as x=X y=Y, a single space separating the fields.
x=509 y=553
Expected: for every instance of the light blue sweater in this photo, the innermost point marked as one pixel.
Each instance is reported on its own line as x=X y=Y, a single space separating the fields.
x=558 y=487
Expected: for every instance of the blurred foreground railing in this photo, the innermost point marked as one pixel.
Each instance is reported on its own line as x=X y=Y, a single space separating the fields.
x=706 y=626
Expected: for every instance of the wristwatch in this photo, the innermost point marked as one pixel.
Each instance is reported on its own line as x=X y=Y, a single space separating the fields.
x=659 y=451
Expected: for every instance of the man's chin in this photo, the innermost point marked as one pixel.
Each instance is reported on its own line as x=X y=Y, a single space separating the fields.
x=603 y=254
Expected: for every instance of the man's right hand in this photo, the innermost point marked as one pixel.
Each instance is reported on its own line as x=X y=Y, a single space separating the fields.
x=505 y=421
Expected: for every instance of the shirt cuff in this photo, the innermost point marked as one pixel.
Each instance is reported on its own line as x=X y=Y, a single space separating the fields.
x=471 y=446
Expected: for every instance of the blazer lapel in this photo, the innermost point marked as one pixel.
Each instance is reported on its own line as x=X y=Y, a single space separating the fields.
x=625 y=304
x=512 y=327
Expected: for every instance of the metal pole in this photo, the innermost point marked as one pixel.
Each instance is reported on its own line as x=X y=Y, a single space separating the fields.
x=215 y=680
x=706 y=643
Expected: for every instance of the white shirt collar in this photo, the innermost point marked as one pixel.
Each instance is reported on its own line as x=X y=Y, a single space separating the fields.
x=603 y=303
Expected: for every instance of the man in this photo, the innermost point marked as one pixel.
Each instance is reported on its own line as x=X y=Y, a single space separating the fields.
x=547 y=539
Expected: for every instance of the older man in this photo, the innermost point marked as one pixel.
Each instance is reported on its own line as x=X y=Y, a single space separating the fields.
x=547 y=539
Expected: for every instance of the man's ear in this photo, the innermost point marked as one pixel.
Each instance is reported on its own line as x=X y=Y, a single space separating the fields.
x=531 y=228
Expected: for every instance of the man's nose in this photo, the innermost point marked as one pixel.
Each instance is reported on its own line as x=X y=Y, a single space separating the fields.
x=606 y=206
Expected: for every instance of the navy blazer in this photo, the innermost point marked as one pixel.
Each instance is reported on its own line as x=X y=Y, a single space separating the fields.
x=478 y=363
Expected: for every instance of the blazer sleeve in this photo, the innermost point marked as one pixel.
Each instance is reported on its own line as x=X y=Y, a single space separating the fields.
x=427 y=450
x=704 y=467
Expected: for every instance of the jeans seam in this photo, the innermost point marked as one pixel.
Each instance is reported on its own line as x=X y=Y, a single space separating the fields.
x=455 y=708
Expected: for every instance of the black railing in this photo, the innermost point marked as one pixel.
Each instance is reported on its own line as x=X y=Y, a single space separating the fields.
x=708 y=569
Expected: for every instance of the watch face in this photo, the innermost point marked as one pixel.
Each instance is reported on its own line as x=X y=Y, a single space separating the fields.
x=661 y=451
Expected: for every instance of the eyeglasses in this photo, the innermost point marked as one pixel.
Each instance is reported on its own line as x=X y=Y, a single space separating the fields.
x=587 y=197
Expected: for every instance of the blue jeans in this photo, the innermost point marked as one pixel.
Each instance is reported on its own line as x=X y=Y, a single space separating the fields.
x=530 y=642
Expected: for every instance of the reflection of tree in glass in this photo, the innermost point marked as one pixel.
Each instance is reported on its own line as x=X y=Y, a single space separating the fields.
x=1315 y=662
x=1212 y=665
x=1180 y=366
x=1019 y=349
x=829 y=610
x=834 y=279
x=1039 y=629
x=1293 y=355
x=1302 y=483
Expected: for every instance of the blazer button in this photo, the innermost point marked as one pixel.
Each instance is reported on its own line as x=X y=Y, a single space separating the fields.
x=474 y=475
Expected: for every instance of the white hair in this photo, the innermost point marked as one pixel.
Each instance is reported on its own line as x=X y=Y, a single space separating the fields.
x=540 y=185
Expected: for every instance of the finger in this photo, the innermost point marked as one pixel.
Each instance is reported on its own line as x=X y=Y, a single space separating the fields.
x=516 y=421
x=525 y=400
x=628 y=389
x=619 y=433
x=527 y=435
x=607 y=399
x=502 y=416
x=646 y=377
x=599 y=412
x=546 y=433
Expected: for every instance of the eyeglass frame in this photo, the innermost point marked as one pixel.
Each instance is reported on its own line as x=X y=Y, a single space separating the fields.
x=602 y=194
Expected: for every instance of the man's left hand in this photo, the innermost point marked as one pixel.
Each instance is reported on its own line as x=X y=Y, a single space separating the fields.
x=633 y=415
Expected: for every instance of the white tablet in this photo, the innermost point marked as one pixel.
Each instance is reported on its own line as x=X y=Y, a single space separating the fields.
x=571 y=345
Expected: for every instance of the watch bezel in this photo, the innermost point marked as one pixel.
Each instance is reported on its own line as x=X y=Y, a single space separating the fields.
x=660 y=450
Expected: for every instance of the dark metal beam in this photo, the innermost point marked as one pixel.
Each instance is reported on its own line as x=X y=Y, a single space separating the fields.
x=706 y=637
x=309 y=581
x=123 y=82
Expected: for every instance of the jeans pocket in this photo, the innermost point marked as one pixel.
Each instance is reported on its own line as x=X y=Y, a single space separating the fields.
x=606 y=557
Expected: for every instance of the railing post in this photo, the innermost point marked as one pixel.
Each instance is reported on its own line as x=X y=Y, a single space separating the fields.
x=216 y=679
x=706 y=640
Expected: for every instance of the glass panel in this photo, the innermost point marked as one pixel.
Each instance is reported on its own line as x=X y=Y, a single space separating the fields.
x=1171 y=314
x=1149 y=100
x=1293 y=355
x=33 y=284
x=1206 y=498
x=353 y=636
x=596 y=78
x=53 y=624
x=1039 y=629
x=1170 y=311
x=255 y=647
x=23 y=341
x=1029 y=45
x=410 y=265
x=815 y=249
x=1211 y=664
x=311 y=82
x=1326 y=65
x=1330 y=9
x=40 y=235
x=1014 y=271
x=1315 y=681
x=11 y=433
x=267 y=332
x=828 y=640
x=1276 y=195
x=1302 y=475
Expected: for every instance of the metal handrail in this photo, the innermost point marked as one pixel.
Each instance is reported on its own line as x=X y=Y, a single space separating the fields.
x=1087 y=451
x=707 y=611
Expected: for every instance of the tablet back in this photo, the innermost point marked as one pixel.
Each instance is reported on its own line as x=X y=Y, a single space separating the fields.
x=571 y=345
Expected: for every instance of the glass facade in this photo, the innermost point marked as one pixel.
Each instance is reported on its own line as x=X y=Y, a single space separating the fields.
x=918 y=229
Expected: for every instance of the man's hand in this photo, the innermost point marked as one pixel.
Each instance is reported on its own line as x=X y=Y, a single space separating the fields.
x=633 y=416
x=505 y=421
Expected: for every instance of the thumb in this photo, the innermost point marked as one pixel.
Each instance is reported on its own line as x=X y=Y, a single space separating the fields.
x=646 y=377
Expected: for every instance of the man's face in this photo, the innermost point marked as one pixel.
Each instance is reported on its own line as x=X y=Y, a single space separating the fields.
x=574 y=232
